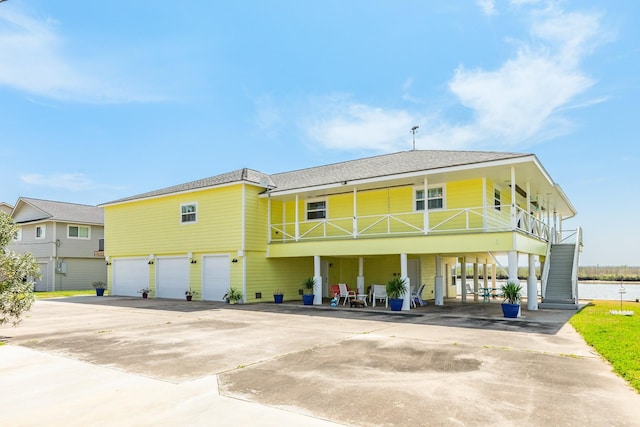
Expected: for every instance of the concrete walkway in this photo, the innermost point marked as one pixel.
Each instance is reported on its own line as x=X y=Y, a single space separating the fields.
x=133 y=362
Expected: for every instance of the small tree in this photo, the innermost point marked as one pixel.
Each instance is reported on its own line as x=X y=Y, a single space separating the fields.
x=16 y=275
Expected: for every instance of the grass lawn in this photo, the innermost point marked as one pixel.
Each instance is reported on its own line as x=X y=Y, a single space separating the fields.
x=60 y=294
x=615 y=337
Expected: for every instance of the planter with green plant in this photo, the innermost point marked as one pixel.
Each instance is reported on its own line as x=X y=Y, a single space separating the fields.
x=145 y=292
x=233 y=296
x=395 y=291
x=189 y=294
x=99 y=286
x=511 y=293
x=307 y=297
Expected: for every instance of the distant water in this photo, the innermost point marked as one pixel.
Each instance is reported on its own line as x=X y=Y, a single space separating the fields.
x=592 y=290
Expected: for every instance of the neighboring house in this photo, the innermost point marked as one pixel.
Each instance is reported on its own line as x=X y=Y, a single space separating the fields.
x=65 y=239
x=6 y=208
x=421 y=215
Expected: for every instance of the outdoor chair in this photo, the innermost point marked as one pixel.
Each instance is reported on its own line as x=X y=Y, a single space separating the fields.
x=345 y=293
x=416 y=297
x=379 y=292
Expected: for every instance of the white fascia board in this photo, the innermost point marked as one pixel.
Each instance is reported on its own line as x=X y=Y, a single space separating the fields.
x=383 y=178
x=173 y=193
x=562 y=194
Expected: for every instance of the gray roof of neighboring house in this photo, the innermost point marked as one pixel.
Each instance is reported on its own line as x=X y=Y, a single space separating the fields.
x=369 y=167
x=240 y=175
x=384 y=165
x=62 y=211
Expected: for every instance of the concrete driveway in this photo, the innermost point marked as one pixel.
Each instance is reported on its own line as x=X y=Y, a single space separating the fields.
x=128 y=361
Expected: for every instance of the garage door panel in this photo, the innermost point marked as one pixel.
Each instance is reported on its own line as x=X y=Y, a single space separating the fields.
x=216 y=277
x=129 y=276
x=172 y=277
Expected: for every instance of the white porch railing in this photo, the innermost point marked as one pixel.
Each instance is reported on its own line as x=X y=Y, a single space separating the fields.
x=446 y=221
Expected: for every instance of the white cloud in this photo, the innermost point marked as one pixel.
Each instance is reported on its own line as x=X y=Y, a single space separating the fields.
x=358 y=126
x=61 y=181
x=516 y=104
x=488 y=7
x=32 y=59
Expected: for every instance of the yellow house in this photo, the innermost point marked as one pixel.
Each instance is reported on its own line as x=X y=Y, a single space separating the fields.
x=420 y=215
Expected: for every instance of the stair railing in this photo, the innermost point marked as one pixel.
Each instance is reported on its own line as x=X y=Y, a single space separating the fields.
x=547 y=265
x=574 y=271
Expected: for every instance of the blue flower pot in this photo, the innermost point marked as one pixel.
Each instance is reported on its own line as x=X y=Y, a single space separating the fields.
x=99 y=292
x=307 y=299
x=510 y=310
x=278 y=298
x=395 y=304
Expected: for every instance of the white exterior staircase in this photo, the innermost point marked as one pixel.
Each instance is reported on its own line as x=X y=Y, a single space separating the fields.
x=560 y=276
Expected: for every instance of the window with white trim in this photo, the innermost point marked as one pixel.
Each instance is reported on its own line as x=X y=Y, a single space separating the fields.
x=497 y=200
x=316 y=209
x=188 y=213
x=434 y=198
x=78 y=232
x=40 y=231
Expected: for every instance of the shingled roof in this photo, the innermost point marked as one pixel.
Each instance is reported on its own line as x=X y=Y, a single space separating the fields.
x=383 y=165
x=369 y=167
x=240 y=175
x=59 y=211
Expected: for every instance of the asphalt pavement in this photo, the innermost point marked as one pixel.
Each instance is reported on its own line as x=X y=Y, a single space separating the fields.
x=111 y=361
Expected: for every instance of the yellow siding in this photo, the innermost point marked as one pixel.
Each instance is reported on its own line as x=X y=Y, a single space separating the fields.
x=153 y=226
x=267 y=275
x=256 y=219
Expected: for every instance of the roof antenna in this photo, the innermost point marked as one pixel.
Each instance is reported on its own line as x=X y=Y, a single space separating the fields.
x=413 y=131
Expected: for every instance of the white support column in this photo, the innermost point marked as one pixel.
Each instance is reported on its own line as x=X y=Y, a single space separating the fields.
x=514 y=213
x=485 y=275
x=425 y=218
x=360 y=278
x=532 y=284
x=439 y=285
x=476 y=287
x=513 y=267
x=317 y=279
x=463 y=279
x=484 y=204
x=297 y=221
x=406 y=303
x=355 y=214
x=494 y=271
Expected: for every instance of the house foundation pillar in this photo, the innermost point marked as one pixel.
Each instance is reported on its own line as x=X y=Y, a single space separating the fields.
x=317 y=281
x=532 y=284
x=463 y=279
x=439 y=285
x=406 y=302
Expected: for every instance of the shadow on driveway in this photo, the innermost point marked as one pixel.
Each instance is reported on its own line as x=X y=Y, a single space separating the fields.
x=453 y=313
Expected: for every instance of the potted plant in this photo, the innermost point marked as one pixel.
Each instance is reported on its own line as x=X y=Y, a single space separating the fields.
x=233 y=296
x=99 y=287
x=278 y=296
x=395 y=291
x=511 y=299
x=145 y=292
x=307 y=297
x=189 y=294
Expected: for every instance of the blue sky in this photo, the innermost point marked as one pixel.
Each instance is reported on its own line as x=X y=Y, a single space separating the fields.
x=103 y=100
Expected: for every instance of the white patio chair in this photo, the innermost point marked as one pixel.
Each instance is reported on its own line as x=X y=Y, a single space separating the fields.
x=345 y=293
x=379 y=292
x=416 y=297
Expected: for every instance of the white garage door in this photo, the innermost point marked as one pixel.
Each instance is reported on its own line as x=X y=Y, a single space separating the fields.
x=216 y=277
x=172 y=277
x=129 y=276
